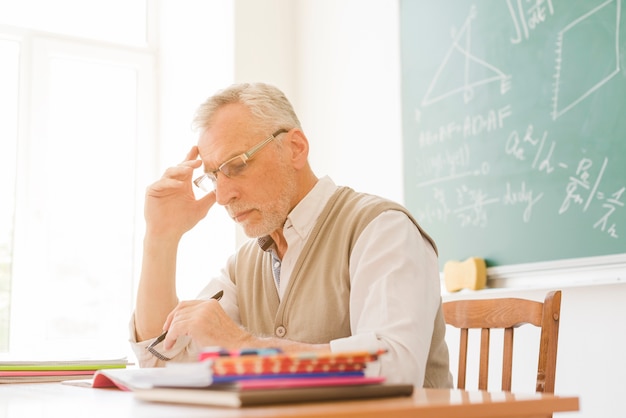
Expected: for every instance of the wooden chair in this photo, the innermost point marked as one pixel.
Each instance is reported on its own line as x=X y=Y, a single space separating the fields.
x=507 y=314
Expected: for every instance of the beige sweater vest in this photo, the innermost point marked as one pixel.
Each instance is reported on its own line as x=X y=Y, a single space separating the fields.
x=315 y=307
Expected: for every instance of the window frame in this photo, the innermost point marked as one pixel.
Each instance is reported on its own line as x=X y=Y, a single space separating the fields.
x=35 y=50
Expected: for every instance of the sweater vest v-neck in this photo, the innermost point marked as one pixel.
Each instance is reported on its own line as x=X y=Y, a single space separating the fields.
x=315 y=307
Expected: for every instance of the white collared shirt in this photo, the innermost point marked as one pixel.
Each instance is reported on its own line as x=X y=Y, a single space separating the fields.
x=299 y=224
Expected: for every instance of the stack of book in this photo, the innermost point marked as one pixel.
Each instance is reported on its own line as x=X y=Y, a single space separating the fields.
x=256 y=377
x=28 y=370
x=273 y=364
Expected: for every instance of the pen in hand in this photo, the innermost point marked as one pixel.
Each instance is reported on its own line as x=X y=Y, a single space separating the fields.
x=161 y=337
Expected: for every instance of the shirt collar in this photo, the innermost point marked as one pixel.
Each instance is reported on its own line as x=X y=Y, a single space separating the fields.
x=302 y=218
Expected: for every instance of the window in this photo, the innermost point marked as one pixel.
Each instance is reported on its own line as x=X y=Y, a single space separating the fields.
x=80 y=142
x=118 y=21
x=73 y=169
x=9 y=58
x=75 y=226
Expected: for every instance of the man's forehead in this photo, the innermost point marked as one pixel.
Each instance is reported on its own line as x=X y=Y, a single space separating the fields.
x=218 y=144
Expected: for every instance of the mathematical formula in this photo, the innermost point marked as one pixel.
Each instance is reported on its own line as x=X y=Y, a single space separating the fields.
x=449 y=165
x=469 y=204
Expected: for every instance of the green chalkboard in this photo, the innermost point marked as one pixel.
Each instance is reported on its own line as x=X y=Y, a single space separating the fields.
x=514 y=127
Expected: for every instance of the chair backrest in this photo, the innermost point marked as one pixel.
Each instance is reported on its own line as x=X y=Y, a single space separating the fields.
x=507 y=314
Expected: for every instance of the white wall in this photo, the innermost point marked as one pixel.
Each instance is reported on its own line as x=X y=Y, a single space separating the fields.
x=190 y=70
x=338 y=61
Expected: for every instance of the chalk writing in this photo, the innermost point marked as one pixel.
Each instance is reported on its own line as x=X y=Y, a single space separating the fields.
x=522 y=195
x=471 y=206
x=579 y=84
x=543 y=162
x=467 y=127
x=461 y=45
x=610 y=205
x=518 y=148
x=437 y=212
x=582 y=180
x=449 y=162
x=529 y=18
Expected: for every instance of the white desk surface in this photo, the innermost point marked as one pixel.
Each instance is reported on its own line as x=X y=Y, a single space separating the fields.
x=57 y=400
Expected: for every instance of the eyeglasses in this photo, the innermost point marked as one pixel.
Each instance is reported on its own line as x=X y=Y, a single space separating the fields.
x=234 y=166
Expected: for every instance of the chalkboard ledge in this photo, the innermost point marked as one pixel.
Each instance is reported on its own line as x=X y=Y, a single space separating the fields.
x=587 y=271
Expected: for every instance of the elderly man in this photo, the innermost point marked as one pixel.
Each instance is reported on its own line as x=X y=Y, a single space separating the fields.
x=328 y=268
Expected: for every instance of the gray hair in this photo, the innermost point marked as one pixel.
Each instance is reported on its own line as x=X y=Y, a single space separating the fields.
x=266 y=102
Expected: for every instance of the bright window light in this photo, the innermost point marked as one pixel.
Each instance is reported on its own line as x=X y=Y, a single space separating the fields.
x=119 y=21
x=77 y=205
x=79 y=143
x=9 y=59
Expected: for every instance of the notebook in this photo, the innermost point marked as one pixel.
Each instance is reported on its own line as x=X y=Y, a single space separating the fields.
x=178 y=375
x=32 y=370
x=236 y=367
x=236 y=395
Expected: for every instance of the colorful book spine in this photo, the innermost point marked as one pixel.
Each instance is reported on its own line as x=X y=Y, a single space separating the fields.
x=277 y=363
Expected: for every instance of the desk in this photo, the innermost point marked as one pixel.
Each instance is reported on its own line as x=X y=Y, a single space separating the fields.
x=54 y=399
